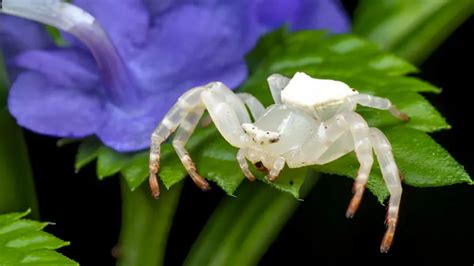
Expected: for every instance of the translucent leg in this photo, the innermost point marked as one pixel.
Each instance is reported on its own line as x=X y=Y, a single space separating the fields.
x=256 y=108
x=181 y=138
x=276 y=169
x=379 y=103
x=391 y=176
x=228 y=113
x=244 y=166
x=186 y=103
x=277 y=83
x=363 y=149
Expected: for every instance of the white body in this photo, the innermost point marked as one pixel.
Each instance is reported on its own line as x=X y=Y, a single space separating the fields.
x=313 y=121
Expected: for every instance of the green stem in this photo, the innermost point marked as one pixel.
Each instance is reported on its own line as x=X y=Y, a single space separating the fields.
x=17 y=189
x=410 y=29
x=145 y=225
x=241 y=229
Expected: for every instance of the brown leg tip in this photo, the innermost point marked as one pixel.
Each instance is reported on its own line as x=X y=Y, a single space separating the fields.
x=271 y=178
x=353 y=206
x=404 y=117
x=358 y=190
x=388 y=237
x=250 y=178
x=201 y=182
x=206 y=188
x=203 y=185
x=154 y=186
x=386 y=243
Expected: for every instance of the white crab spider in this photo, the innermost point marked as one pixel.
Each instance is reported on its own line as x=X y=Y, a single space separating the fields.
x=312 y=122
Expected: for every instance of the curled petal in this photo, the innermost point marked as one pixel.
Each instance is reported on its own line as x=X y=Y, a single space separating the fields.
x=51 y=109
x=66 y=67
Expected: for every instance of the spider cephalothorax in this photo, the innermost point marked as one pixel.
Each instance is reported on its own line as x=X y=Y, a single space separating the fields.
x=312 y=122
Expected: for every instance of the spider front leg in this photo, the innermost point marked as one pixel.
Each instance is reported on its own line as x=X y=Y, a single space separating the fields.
x=188 y=103
x=182 y=136
x=363 y=149
x=379 y=103
x=391 y=176
x=244 y=165
x=276 y=168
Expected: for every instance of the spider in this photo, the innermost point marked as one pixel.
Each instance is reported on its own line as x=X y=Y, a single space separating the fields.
x=312 y=122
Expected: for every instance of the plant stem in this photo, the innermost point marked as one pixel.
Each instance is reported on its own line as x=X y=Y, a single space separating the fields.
x=17 y=189
x=145 y=225
x=241 y=229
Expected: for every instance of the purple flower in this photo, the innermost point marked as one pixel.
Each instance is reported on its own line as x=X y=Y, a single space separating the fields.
x=118 y=83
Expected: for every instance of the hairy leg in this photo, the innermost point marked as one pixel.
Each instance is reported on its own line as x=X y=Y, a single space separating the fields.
x=170 y=122
x=391 y=176
x=379 y=103
x=363 y=149
x=181 y=138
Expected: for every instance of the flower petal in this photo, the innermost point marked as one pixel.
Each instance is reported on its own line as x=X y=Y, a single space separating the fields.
x=321 y=14
x=17 y=35
x=126 y=21
x=124 y=131
x=51 y=109
x=66 y=67
x=191 y=45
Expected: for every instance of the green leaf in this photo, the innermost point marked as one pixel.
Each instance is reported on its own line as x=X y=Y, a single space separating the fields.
x=145 y=225
x=411 y=29
x=87 y=152
x=422 y=163
x=110 y=162
x=241 y=229
x=22 y=242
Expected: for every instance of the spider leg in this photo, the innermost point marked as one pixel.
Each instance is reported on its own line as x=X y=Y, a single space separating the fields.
x=170 y=122
x=278 y=165
x=227 y=111
x=363 y=149
x=255 y=106
x=181 y=137
x=391 y=176
x=379 y=103
x=244 y=165
x=277 y=83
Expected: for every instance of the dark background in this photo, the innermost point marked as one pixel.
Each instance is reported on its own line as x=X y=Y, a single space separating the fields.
x=434 y=223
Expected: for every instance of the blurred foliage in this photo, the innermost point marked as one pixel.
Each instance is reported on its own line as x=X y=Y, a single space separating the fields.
x=411 y=29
